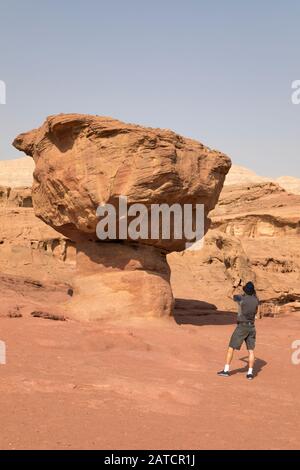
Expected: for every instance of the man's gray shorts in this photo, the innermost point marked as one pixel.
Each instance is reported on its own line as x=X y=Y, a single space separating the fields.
x=243 y=332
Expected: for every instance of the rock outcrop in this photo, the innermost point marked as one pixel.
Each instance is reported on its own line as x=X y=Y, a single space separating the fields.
x=16 y=173
x=211 y=273
x=241 y=176
x=266 y=219
x=290 y=184
x=254 y=235
x=28 y=247
x=82 y=162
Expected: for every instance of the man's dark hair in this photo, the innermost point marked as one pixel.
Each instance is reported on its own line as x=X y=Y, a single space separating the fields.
x=249 y=288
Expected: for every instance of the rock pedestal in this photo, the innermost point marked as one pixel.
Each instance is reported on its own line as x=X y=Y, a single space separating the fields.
x=82 y=162
x=117 y=280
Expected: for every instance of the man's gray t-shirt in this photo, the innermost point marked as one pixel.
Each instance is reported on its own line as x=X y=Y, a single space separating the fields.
x=247 y=307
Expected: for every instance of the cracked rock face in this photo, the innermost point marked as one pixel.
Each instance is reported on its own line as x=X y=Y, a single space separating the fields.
x=265 y=218
x=254 y=236
x=84 y=161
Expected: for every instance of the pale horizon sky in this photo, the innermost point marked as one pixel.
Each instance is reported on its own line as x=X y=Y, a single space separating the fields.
x=219 y=72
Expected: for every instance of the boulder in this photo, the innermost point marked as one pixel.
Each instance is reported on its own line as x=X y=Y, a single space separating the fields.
x=83 y=162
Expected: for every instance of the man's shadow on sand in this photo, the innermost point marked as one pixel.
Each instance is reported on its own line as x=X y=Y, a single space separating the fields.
x=258 y=366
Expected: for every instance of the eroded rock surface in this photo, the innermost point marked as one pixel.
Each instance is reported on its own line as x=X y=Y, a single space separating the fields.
x=261 y=225
x=84 y=161
x=28 y=247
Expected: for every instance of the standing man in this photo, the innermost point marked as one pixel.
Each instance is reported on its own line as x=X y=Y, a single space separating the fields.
x=245 y=331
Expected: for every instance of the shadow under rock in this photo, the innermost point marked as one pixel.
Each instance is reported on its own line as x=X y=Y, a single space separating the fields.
x=197 y=312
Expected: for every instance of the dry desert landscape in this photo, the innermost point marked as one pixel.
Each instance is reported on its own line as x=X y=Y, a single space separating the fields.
x=116 y=345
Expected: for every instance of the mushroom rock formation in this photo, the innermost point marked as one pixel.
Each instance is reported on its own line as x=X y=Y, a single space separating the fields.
x=82 y=162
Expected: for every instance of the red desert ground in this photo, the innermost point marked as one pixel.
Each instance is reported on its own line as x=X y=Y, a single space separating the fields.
x=142 y=328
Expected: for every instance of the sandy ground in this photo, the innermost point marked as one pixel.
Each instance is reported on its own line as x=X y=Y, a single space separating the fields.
x=146 y=385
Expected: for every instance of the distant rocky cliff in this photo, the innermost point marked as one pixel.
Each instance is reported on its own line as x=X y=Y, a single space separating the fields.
x=255 y=235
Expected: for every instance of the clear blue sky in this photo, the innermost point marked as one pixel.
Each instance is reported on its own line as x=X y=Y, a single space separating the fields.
x=218 y=71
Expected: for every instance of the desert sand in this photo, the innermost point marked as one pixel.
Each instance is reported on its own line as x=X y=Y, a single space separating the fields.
x=147 y=385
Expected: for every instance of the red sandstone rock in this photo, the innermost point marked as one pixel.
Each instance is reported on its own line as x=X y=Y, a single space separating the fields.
x=261 y=223
x=84 y=161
